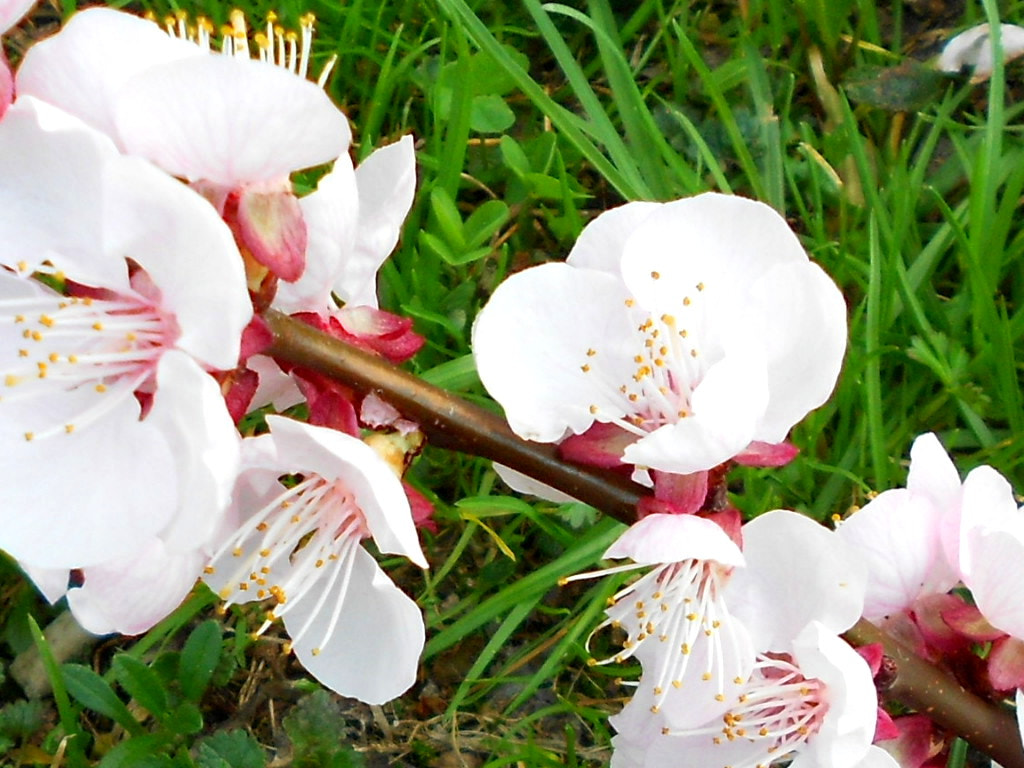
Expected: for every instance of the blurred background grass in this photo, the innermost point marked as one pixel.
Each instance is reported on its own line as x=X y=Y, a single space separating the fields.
x=529 y=120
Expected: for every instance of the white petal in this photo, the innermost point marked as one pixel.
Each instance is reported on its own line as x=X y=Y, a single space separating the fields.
x=973 y=48
x=373 y=651
x=189 y=410
x=849 y=725
x=52 y=199
x=531 y=342
x=377 y=491
x=189 y=253
x=229 y=121
x=74 y=500
x=773 y=596
x=726 y=407
x=133 y=593
x=331 y=214
x=673 y=538
x=521 y=483
x=601 y=243
x=995 y=577
x=276 y=387
x=82 y=68
x=52 y=582
x=801 y=316
x=987 y=504
x=387 y=185
x=932 y=473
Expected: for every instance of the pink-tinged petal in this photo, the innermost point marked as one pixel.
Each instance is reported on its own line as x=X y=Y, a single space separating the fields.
x=932 y=473
x=229 y=121
x=331 y=214
x=602 y=242
x=602 y=445
x=726 y=407
x=673 y=538
x=876 y=757
x=387 y=185
x=190 y=412
x=240 y=386
x=76 y=521
x=330 y=403
x=82 y=68
x=131 y=594
x=995 y=578
x=422 y=509
x=52 y=582
x=773 y=595
x=378 y=493
x=375 y=634
x=187 y=251
x=760 y=454
x=52 y=198
x=873 y=653
x=897 y=536
x=800 y=315
x=941 y=636
x=521 y=483
x=685 y=494
x=256 y=338
x=271 y=227
x=11 y=12
x=6 y=84
x=987 y=503
x=1005 y=664
x=846 y=732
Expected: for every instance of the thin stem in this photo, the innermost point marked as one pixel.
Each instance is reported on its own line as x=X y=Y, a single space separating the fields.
x=450 y=422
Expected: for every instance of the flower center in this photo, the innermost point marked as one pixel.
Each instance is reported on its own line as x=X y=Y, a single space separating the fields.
x=668 y=362
x=282 y=551
x=66 y=344
x=273 y=44
x=776 y=714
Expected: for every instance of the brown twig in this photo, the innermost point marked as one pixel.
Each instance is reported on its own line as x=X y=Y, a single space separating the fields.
x=450 y=422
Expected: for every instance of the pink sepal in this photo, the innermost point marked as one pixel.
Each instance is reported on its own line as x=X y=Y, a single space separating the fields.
x=330 y=404
x=382 y=332
x=885 y=728
x=270 y=225
x=256 y=338
x=1006 y=664
x=929 y=614
x=241 y=386
x=968 y=621
x=422 y=509
x=730 y=521
x=600 y=446
x=916 y=744
x=759 y=454
x=872 y=653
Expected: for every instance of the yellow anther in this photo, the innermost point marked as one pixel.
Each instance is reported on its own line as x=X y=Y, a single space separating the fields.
x=594 y=409
x=700 y=286
x=686 y=301
x=101 y=387
x=97 y=326
x=585 y=368
x=29 y=436
x=54 y=357
x=69 y=428
x=209 y=569
x=655 y=275
x=72 y=358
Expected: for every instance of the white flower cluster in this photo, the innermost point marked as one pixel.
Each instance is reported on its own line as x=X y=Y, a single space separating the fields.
x=682 y=337
x=146 y=207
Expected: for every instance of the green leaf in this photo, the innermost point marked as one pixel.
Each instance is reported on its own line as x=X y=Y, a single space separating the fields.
x=142 y=684
x=514 y=157
x=447 y=216
x=313 y=726
x=138 y=752
x=230 y=749
x=485 y=222
x=184 y=718
x=906 y=88
x=94 y=692
x=490 y=114
x=199 y=658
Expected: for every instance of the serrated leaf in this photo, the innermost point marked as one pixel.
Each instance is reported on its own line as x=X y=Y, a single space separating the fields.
x=141 y=683
x=230 y=749
x=490 y=114
x=21 y=718
x=577 y=515
x=199 y=658
x=313 y=726
x=94 y=692
x=485 y=222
